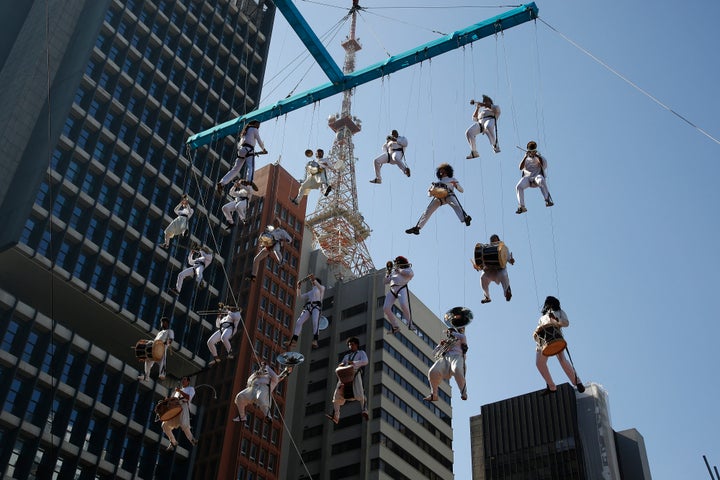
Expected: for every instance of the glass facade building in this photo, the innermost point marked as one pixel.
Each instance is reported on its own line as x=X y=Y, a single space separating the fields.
x=100 y=97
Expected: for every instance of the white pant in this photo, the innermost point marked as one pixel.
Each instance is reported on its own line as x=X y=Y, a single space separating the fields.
x=177 y=227
x=541 y=364
x=312 y=182
x=435 y=204
x=531 y=182
x=444 y=368
x=161 y=365
x=196 y=270
x=339 y=395
x=223 y=335
x=257 y=394
x=264 y=252
x=239 y=206
x=403 y=301
x=487 y=127
x=182 y=421
x=314 y=312
x=497 y=276
x=243 y=160
x=395 y=158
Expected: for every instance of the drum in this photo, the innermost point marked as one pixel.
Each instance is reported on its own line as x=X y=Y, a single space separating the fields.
x=266 y=240
x=346 y=374
x=491 y=256
x=313 y=168
x=439 y=190
x=168 y=408
x=150 y=350
x=549 y=340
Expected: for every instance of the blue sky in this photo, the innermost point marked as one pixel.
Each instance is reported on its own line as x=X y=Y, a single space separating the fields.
x=631 y=245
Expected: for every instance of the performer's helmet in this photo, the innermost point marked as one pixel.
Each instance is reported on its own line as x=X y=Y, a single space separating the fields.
x=308 y=153
x=531 y=146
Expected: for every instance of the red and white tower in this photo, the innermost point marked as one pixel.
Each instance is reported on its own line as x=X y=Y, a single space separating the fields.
x=338 y=227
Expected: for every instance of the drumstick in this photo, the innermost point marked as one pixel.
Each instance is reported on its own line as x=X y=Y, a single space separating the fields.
x=475 y=265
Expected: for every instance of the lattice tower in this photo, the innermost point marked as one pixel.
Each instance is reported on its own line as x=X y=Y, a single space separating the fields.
x=337 y=225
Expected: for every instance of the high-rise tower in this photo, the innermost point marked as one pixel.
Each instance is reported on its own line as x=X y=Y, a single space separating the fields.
x=338 y=227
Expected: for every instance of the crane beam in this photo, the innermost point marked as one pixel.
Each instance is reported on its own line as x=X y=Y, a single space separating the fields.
x=452 y=41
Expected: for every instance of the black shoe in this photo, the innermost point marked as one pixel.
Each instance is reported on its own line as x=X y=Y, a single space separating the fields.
x=219 y=188
x=294 y=202
x=547 y=390
x=580 y=387
x=485 y=300
x=250 y=277
x=327 y=190
x=413 y=230
x=508 y=294
x=468 y=219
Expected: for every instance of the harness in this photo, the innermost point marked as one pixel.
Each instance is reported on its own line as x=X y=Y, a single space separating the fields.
x=397 y=294
x=312 y=306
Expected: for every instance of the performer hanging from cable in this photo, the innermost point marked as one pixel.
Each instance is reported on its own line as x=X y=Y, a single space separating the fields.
x=350 y=384
x=485 y=117
x=249 y=136
x=493 y=267
x=179 y=225
x=239 y=203
x=443 y=193
x=450 y=362
x=270 y=240
x=166 y=336
x=198 y=259
x=534 y=167
x=313 y=305
x=398 y=275
x=258 y=391
x=553 y=316
x=227 y=323
x=393 y=153
x=315 y=176
x=182 y=421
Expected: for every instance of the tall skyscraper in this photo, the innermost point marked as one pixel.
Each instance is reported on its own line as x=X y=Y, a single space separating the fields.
x=559 y=436
x=98 y=99
x=405 y=437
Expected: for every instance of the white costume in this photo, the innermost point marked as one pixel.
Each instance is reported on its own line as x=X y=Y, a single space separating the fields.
x=452 y=364
x=198 y=260
x=259 y=388
x=560 y=320
x=451 y=184
x=359 y=359
x=394 y=153
x=227 y=325
x=179 y=225
x=314 y=181
x=534 y=167
x=166 y=336
x=278 y=235
x=485 y=122
x=241 y=198
x=182 y=420
x=496 y=275
x=246 y=156
x=398 y=278
x=313 y=305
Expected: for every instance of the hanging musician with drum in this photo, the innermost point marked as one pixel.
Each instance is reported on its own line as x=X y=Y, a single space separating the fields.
x=261 y=384
x=199 y=258
x=485 y=119
x=492 y=259
x=450 y=353
x=270 y=241
x=239 y=203
x=180 y=224
x=227 y=322
x=174 y=412
x=155 y=351
x=312 y=308
x=442 y=193
x=534 y=175
x=393 y=153
x=315 y=176
x=350 y=384
x=398 y=275
x=550 y=342
x=245 y=161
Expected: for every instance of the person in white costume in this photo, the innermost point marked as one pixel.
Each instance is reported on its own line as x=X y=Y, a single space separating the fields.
x=199 y=259
x=485 y=116
x=260 y=386
x=179 y=225
x=270 y=241
x=450 y=364
x=398 y=275
x=182 y=421
x=313 y=305
x=443 y=193
x=239 y=203
x=355 y=391
x=249 y=137
x=315 y=176
x=393 y=153
x=496 y=274
x=227 y=324
x=534 y=167
x=165 y=335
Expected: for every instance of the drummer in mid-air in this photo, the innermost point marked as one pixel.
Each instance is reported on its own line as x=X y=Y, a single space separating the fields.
x=166 y=336
x=270 y=241
x=315 y=176
x=313 y=305
x=350 y=384
x=492 y=262
x=443 y=193
x=185 y=394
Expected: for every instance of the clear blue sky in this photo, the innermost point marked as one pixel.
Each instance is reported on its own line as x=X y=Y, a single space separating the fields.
x=631 y=246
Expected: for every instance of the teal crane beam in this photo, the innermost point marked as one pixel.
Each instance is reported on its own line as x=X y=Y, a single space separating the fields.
x=452 y=41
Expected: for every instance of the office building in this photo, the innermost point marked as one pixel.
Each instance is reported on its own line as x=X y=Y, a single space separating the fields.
x=565 y=435
x=99 y=97
x=405 y=436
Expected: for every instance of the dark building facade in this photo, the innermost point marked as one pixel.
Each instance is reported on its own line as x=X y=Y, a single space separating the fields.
x=99 y=97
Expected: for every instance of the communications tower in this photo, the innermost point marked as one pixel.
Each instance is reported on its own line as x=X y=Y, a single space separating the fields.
x=338 y=227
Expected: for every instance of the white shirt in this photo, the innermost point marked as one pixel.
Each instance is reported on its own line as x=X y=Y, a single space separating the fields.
x=202 y=256
x=265 y=375
x=533 y=165
x=189 y=390
x=238 y=192
x=165 y=336
x=231 y=317
x=456 y=349
x=358 y=357
x=560 y=316
x=280 y=235
x=450 y=185
x=484 y=113
x=391 y=145
x=183 y=210
x=399 y=276
x=316 y=294
x=251 y=137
